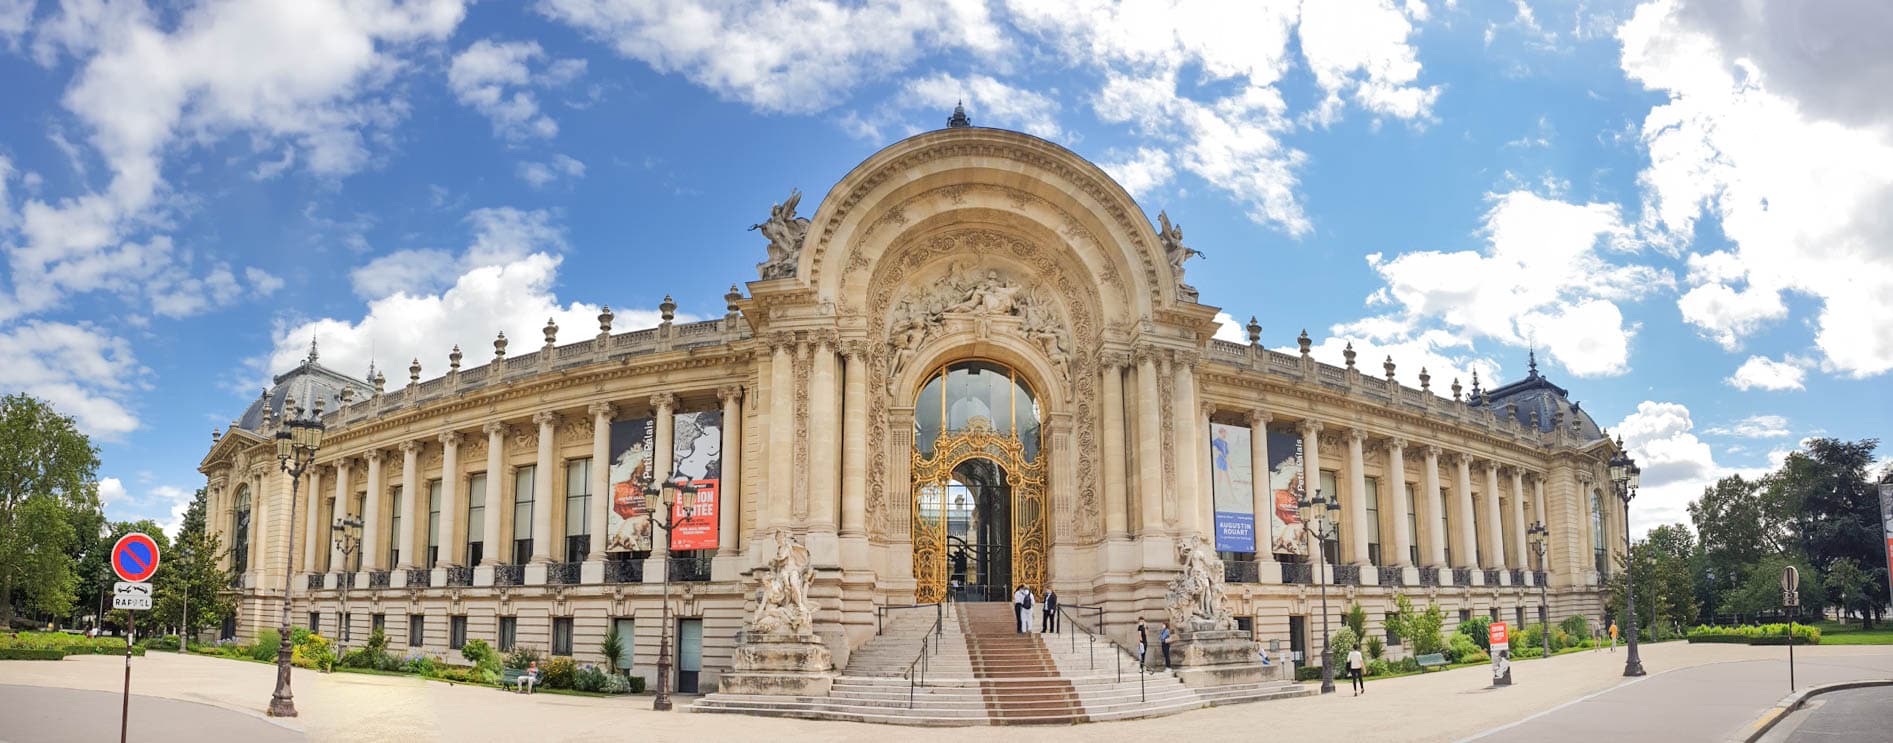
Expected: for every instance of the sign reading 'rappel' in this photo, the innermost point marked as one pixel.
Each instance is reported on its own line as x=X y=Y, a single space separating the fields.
x=135 y=596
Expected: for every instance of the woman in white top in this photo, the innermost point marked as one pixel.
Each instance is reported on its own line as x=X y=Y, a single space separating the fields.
x=1356 y=665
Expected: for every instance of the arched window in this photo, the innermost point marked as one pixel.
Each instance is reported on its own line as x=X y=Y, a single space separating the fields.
x=960 y=393
x=240 y=532
x=1599 y=554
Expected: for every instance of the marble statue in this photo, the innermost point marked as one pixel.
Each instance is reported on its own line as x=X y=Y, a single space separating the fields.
x=782 y=606
x=785 y=232
x=1195 y=598
x=1171 y=235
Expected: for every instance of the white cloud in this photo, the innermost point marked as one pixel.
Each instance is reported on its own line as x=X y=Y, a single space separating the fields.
x=1754 y=427
x=483 y=74
x=538 y=174
x=1763 y=373
x=111 y=491
x=995 y=103
x=500 y=236
x=1676 y=465
x=1444 y=356
x=1359 y=48
x=175 y=501
x=1142 y=172
x=80 y=369
x=1788 y=150
x=1228 y=329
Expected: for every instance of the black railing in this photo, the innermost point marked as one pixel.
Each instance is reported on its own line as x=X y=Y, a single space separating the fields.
x=1538 y=578
x=1491 y=576
x=1390 y=576
x=1241 y=571
x=1462 y=576
x=1298 y=572
x=562 y=573
x=1429 y=576
x=509 y=575
x=459 y=576
x=348 y=581
x=1347 y=575
x=378 y=579
x=315 y=581
x=1518 y=577
x=624 y=571
x=420 y=578
x=689 y=569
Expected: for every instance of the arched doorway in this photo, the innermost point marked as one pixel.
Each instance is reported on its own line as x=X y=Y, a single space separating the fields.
x=978 y=485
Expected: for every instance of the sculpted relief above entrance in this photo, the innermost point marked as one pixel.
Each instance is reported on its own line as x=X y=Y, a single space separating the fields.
x=964 y=298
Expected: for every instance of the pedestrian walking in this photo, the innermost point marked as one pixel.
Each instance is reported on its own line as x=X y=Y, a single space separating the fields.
x=1022 y=608
x=1143 y=642
x=1356 y=665
x=1613 y=635
x=1165 y=639
x=1049 y=622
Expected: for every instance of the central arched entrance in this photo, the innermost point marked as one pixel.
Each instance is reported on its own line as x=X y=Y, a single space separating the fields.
x=979 y=484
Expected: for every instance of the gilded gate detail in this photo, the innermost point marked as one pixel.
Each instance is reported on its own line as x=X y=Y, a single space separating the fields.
x=1026 y=480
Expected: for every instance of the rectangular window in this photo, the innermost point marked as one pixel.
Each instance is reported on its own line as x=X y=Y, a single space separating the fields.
x=1520 y=611
x=1372 y=527
x=522 y=512
x=1387 y=621
x=1446 y=529
x=628 y=638
x=509 y=627
x=1465 y=615
x=1331 y=549
x=347 y=627
x=417 y=630
x=1598 y=551
x=433 y=523
x=476 y=518
x=457 y=632
x=394 y=527
x=315 y=622
x=1494 y=613
x=561 y=635
x=1413 y=524
x=378 y=622
x=1478 y=549
x=578 y=500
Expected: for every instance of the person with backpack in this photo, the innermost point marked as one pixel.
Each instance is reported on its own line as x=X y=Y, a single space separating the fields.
x=1022 y=608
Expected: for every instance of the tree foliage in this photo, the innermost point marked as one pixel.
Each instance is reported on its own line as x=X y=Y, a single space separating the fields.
x=1419 y=630
x=191 y=574
x=1666 y=589
x=48 y=472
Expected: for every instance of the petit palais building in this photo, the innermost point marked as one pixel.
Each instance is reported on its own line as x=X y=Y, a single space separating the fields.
x=975 y=366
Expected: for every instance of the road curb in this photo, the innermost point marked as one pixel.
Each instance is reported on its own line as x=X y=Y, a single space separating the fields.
x=1796 y=700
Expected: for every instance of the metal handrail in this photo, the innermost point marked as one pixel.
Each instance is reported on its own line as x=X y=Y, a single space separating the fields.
x=1092 y=639
x=880 y=613
x=920 y=661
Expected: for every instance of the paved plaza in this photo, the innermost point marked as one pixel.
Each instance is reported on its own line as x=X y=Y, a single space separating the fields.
x=1695 y=692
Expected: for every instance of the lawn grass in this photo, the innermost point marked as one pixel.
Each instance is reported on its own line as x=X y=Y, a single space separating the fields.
x=1834 y=633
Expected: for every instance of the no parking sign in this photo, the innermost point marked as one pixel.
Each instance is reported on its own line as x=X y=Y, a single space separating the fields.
x=135 y=557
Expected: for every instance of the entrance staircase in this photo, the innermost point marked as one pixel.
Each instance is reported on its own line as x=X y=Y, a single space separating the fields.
x=980 y=671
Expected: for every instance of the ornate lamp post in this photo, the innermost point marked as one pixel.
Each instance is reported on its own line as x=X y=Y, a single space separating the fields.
x=1625 y=473
x=1541 y=541
x=348 y=536
x=1321 y=515
x=296 y=445
x=663 y=518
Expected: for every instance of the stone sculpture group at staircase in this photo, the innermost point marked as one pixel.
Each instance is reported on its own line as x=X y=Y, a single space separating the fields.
x=980 y=671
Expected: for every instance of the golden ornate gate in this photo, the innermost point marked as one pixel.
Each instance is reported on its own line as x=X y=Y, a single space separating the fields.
x=1025 y=478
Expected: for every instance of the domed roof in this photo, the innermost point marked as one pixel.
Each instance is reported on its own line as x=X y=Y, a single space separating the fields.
x=308 y=382
x=1537 y=394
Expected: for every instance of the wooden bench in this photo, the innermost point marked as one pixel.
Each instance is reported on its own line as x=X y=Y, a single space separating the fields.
x=1431 y=660
x=510 y=678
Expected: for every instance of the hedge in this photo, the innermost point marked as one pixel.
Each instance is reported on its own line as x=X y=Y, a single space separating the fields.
x=31 y=654
x=1767 y=634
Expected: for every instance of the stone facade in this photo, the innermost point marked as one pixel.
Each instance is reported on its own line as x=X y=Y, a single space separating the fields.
x=964 y=243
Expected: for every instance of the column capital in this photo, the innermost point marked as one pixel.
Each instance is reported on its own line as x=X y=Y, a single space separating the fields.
x=732 y=392
x=1114 y=359
x=663 y=402
x=410 y=447
x=853 y=349
x=781 y=341
x=450 y=439
x=828 y=337
x=1144 y=353
x=1259 y=417
x=1431 y=451
x=1309 y=427
x=1396 y=444
x=372 y=456
x=601 y=410
x=545 y=418
x=1185 y=359
x=1356 y=435
x=494 y=428
x=1209 y=408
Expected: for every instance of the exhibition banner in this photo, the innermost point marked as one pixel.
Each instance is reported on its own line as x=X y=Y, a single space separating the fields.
x=1231 y=477
x=1287 y=484
x=697 y=454
x=628 y=526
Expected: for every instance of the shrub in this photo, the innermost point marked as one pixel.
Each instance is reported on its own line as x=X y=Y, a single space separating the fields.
x=377 y=641
x=589 y=678
x=1532 y=635
x=1527 y=651
x=1461 y=647
x=612 y=647
x=163 y=642
x=476 y=651
x=521 y=657
x=1576 y=626
x=560 y=672
x=32 y=654
x=267 y=643
x=1477 y=628
x=312 y=651
x=1343 y=641
x=1375 y=647
x=1379 y=667
x=1356 y=619
x=420 y=664
x=1419 y=630
x=357 y=658
x=1304 y=673
x=1409 y=664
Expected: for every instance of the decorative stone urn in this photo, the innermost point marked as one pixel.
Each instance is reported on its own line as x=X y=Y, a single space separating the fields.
x=779 y=654
x=1207 y=650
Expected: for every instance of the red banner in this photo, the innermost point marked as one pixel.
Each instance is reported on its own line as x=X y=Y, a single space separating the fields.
x=699 y=531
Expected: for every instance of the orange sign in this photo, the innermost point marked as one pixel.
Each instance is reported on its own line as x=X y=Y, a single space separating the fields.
x=1497 y=634
x=698 y=532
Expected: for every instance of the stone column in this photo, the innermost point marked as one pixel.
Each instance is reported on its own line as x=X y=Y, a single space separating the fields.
x=312 y=519
x=340 y=511
x=663 y=461
x=824 y=456
x=1111 y=448
x=774 y=511
x=373 y=551
x=498 y=547
x=729 y=509
x=410 y=492
x=602 y=413
x=449 y=500
x=1183 y=429
x=1538 y=500
x=1466 y=551
x=1311 y=468
x=1402 y=531
x=1518 y=522
x=1357 y=499
x=1434 y=511
x=1205 y=485
x=1261 y=491
x=1494 y=519
x=542 y=488
x=1149 y=445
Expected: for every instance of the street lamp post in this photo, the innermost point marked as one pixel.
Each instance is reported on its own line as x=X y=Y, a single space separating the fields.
x=663 y=518
x=1625 y=473
x=296 y=445
x=1320 y=516
x=1541 y=541
x=348 y=536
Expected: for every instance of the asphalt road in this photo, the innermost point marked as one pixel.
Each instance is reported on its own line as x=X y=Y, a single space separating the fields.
x=1713 y=702
x=33 y=714
x=1846 y=715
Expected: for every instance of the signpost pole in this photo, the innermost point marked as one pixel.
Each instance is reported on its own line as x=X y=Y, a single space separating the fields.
x=124 y=708
x=1790 y=600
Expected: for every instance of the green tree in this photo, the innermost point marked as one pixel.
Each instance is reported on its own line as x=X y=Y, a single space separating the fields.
x=1738 y=523
x=48 y=472
x=1419 y=630
x=1356 y=619
x=1847 y=587
x=1666 y=592
x=1837 y=513
x=190 y=573
x=165 y=555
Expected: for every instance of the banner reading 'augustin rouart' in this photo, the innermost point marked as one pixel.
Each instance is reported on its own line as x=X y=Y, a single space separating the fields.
x=1230 y=478
x=1286 y=485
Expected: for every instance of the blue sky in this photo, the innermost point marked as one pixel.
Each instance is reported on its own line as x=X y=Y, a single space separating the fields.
x=1675 y=204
